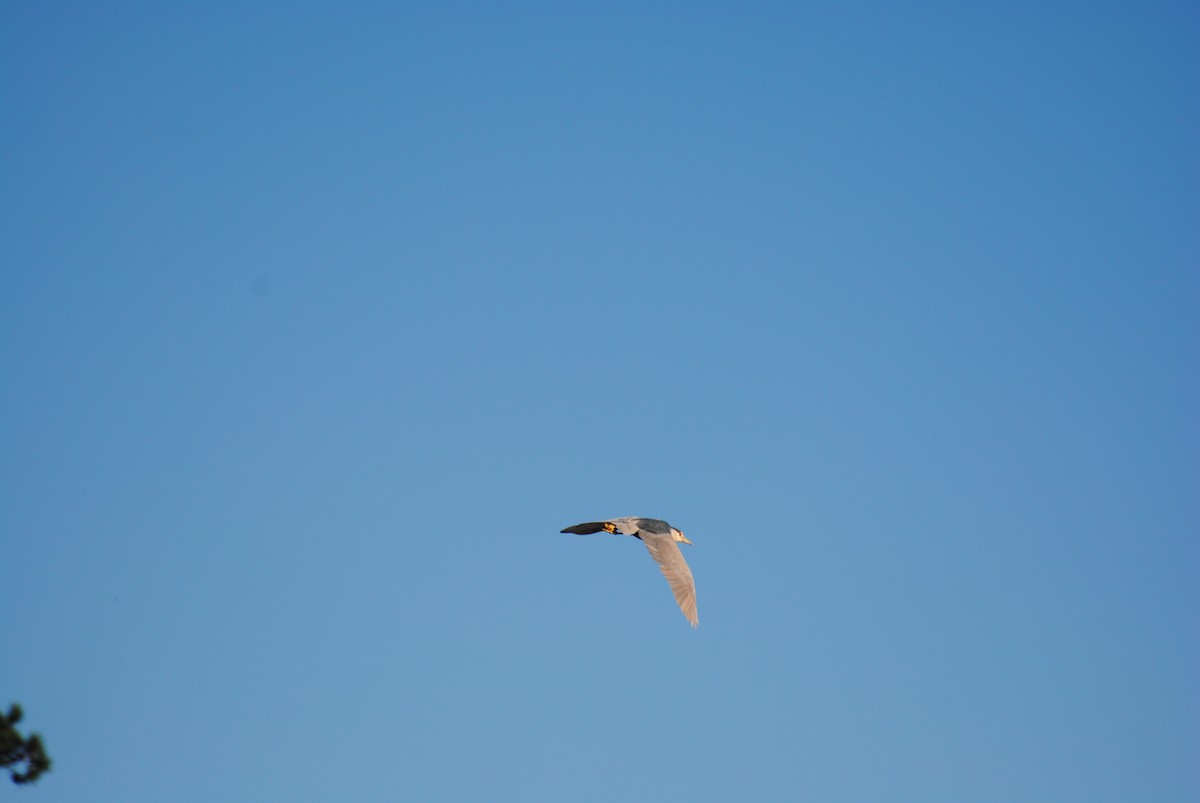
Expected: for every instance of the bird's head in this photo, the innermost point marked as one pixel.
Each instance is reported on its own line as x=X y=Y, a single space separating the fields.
x=679 y=536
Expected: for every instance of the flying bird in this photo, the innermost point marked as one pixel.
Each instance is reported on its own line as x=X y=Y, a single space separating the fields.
x=661 y=539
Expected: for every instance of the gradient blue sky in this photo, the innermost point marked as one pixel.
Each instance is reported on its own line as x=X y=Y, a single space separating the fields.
x=320 y=321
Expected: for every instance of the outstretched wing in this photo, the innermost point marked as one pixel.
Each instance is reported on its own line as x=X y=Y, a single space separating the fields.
x=675 y=569
x=587 y=528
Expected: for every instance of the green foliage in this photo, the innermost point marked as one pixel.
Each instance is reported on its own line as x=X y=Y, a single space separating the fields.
x=25 y=759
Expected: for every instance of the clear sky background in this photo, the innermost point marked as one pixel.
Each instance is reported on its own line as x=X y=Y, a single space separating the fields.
x=318 y=322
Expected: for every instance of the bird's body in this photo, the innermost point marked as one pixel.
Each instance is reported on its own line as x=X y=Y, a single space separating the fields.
x=663 y=542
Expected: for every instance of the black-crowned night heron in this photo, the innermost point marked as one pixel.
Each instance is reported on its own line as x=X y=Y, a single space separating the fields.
x=661 y=539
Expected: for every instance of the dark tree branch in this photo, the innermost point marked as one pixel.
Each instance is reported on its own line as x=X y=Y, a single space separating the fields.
x=25 y=759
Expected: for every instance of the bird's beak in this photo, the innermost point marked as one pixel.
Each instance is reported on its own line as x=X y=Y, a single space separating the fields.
x=685 y=539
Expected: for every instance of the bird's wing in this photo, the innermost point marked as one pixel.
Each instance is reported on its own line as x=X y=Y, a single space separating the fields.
x=587 y=528
x=676 y=570
x=625 y=525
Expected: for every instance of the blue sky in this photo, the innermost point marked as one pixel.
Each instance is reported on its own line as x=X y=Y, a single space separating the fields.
x=319 y=323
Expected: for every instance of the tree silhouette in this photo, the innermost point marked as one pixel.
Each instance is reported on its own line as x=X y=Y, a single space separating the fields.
x=18 y=753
